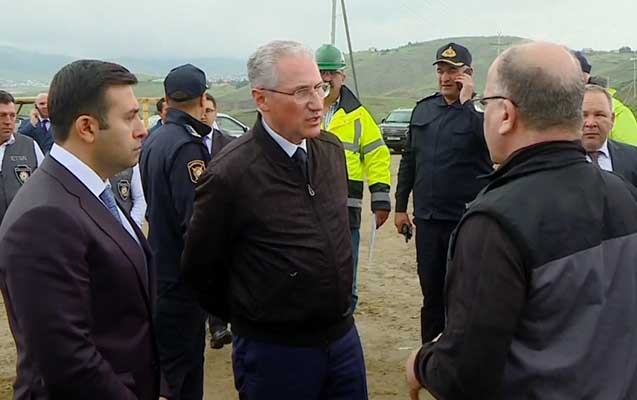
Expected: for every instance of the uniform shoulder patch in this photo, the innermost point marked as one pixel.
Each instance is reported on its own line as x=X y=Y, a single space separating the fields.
x=123 y=189
x=196 y=169
x=23 y=173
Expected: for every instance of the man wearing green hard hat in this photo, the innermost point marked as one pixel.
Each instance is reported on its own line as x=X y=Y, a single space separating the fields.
x=365 y=151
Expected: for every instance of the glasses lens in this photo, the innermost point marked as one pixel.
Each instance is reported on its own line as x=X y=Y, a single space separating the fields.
x=325 y=88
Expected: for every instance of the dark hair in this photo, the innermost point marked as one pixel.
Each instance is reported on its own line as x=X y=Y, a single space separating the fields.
x=79 y=89
x=160 y=104
x=6 y=97
x=209 y=97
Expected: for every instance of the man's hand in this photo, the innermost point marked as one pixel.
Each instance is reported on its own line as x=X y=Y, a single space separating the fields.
x=400 y=219
x=34 y=117
x=163 y=398
x=412 y=382
x=381 y=217
x=468 y=87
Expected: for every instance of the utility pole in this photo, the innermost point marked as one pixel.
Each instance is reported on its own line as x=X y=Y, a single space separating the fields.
x=634 y=60
x=349 y=45
x=499 y=43
x=333 y=38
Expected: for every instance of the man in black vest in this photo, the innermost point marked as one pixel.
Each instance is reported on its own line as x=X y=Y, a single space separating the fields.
x=129 y=193
x=39 y=126
x=542 y=287
x=444 y=156
x=19 y=154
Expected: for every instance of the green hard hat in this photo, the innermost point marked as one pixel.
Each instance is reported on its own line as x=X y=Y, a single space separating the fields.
x=329 y=58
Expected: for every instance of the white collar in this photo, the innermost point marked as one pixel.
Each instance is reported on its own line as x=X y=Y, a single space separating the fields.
x=79 y=169
x=286 y=145
x=604 y=149
x=10 y=141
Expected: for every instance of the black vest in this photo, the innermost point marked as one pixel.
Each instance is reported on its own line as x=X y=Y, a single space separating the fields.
x=18 y=164
x=575 y=227
x=121 y=186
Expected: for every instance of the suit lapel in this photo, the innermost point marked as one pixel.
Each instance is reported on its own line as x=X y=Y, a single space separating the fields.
x=617 y=159
x=103 y=219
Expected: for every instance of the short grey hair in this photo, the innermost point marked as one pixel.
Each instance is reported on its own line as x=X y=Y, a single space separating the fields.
x=598 y=89
x=544 y=100
x=262 y=64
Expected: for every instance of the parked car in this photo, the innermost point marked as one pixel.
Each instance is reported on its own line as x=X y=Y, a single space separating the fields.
x=229 y=125
x=394 y=128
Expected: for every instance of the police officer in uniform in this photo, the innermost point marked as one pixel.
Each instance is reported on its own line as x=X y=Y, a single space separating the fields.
x=129 y=194
x=444 y=156
x=173 y=158
x=19 y=155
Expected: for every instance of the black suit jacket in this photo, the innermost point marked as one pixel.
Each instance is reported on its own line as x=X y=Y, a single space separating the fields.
x=219 y=141
x=78 y=294
x=43 y=138
x=624 y=159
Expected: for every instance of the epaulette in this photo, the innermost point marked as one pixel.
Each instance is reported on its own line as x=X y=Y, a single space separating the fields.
x=431 y=96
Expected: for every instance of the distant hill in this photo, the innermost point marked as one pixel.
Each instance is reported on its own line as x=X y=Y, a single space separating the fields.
x=23 y=65
x=388 y=78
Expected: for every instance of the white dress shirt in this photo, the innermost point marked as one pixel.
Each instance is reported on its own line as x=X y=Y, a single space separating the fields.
x=603 y=158
x=39 y=157
x=286 y=145
x=89 y=178
x=138 y=211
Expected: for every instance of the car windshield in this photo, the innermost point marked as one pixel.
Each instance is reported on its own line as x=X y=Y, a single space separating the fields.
x=399 y=116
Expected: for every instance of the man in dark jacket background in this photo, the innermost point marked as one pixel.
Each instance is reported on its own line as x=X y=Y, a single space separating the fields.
x=38 y=127
x=541 y=291
x=269 y=245
x=602 y=151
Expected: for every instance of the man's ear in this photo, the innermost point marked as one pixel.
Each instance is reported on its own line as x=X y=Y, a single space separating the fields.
x=86 y=128
x=260 y=99
x=509 y=118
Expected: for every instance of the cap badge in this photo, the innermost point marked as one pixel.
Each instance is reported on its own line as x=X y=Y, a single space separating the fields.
x=449 y=53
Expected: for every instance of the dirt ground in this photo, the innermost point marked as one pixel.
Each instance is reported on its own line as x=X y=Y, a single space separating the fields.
x=387 y=318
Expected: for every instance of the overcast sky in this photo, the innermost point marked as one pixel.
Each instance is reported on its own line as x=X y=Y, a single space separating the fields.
x=234 y=28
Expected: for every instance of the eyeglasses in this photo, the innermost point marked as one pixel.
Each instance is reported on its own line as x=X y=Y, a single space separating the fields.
x=480 y=103
x=306 y=94
x=331 y=73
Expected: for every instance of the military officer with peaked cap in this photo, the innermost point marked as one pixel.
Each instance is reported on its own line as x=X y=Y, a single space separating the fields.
x=444 y=155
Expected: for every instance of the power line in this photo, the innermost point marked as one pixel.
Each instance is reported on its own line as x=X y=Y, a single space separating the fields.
x=499 y=43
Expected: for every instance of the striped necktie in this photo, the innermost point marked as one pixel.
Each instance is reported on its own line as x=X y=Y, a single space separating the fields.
x=109 y=201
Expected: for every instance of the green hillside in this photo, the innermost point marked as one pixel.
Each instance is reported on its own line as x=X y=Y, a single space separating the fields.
x=392 y=78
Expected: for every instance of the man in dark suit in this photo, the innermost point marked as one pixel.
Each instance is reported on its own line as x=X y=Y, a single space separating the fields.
x=39 y=126
x=219 y=333
x=606 y=153
x=218 y=138
x=80 y=304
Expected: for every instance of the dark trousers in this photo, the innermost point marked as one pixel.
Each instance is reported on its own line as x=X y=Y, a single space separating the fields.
x=432 y=243
x=181 y=335
x=264 y=371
